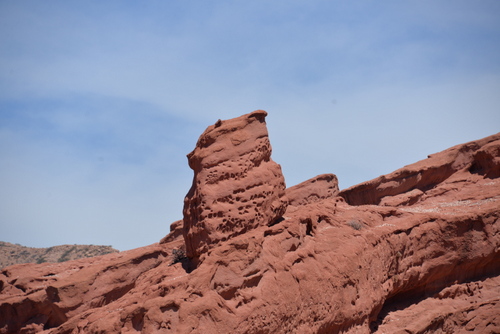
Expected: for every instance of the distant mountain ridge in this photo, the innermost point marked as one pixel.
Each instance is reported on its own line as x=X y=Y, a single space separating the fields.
x=11 y=254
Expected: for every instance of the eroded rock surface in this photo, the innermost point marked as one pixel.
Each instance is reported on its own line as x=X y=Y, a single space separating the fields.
x=318 y=188
x=408 y=252
x=236 y=187
x=479 y=157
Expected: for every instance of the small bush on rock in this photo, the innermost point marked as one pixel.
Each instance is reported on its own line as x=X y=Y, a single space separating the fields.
x=355 y=225
x=178 y=255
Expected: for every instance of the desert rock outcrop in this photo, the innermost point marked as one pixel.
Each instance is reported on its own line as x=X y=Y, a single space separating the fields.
x=236 y=187
x=414 y=251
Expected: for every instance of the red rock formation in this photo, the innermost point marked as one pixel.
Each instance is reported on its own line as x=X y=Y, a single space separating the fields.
x=36 y=297
x=409 y=252
x=478 y=157
x=236 y=187
x=314 y=190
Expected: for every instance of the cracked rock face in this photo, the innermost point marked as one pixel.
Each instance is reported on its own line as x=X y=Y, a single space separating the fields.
x=236 y=187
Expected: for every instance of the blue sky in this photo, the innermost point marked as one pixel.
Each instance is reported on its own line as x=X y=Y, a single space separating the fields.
x=100 y=101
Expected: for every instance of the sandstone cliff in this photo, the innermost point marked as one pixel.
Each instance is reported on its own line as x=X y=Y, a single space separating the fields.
x=414 y=251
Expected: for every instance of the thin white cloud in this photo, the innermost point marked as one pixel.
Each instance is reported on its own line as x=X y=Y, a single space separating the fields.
x=118 y=94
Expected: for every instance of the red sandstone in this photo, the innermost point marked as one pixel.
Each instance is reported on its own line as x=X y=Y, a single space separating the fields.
x=414 y=251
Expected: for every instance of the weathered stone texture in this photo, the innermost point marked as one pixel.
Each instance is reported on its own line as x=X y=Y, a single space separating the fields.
x=236 y=187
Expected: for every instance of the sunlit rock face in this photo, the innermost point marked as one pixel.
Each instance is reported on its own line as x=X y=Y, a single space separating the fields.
x=318 y=188
x=236 y=187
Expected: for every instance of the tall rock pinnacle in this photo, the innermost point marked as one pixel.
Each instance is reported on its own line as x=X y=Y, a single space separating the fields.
x=236 y=187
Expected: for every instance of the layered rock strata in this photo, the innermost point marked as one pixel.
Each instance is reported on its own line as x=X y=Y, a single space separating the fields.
x=415 y=254
x=236 y=186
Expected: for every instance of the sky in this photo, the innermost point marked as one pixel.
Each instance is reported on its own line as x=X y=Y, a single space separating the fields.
x=100 y=101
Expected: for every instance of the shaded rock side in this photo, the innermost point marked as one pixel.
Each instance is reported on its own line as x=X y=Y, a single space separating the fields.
x=236 y=187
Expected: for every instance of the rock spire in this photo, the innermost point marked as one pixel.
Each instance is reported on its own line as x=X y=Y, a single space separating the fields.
x=236 y=186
